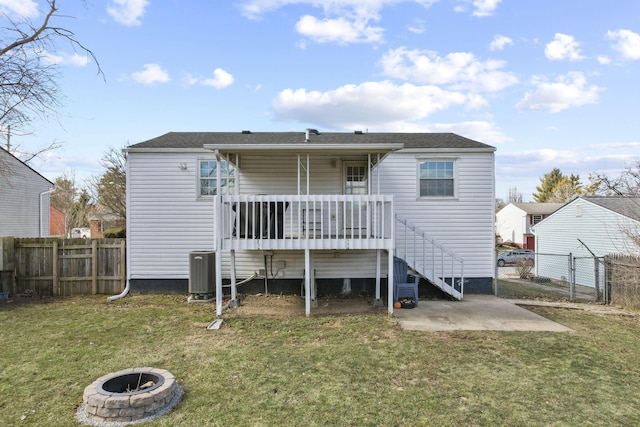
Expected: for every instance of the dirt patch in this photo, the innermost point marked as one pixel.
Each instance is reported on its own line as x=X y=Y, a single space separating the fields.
x=288 y=306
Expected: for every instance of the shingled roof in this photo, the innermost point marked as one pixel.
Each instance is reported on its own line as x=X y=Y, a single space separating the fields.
x=190 y=140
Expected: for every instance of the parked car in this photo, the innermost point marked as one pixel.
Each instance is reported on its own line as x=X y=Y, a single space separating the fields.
x=516 y=256
x=80 y=233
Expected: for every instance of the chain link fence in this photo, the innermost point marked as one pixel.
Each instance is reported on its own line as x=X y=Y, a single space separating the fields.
x=554 y=276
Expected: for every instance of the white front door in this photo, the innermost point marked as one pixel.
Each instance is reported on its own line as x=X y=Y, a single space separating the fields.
x=356 y=182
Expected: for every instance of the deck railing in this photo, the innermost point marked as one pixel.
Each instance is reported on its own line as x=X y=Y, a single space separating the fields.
x=431 y=259
x=307 y=222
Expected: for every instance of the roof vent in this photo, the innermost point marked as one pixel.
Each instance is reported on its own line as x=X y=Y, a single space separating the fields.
x=309 y=132
x=246 y=132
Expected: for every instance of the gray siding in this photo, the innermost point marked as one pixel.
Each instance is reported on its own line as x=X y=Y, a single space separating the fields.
x=21 y=212
x=601 y=230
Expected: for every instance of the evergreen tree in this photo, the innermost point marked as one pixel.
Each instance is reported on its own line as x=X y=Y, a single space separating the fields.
x=548 y=183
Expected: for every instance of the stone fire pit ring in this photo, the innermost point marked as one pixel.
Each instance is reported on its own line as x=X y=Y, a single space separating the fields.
x=129 y=396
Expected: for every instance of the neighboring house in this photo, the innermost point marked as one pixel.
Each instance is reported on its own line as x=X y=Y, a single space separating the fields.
x=102 y=221
x=57 y=222
x=514 y=221
x=24 y=199
x=311 y=210
x=588 y=227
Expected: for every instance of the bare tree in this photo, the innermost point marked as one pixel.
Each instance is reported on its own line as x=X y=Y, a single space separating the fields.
x=626 y=184
x=73 y=202
x=28 y=82
x=109 y=189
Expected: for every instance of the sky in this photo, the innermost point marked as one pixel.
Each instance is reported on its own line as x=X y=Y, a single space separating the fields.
x=549 y=83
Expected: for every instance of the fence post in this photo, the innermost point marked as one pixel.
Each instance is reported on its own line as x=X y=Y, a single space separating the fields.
x=596 y=272
x=94 y=267
x=572 y=279
x=54 y=267
x=123 y=264
x=8 y=263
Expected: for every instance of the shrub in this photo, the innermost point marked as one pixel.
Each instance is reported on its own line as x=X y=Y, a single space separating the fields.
x=116 y=232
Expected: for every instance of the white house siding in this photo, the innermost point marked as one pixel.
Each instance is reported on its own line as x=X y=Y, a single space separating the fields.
x=601 y=230
x=510 y=224
x=167 y=221
x=464 y=223
x=24 y=209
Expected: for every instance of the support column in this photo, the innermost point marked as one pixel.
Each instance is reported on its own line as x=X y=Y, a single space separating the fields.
x=234 y=297
x=217 y=232
x=378 y=301
x=390 y=282
x=307 y=282
x=314 y=292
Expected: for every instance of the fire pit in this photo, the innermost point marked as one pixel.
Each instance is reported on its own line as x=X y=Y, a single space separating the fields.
x=130 y=395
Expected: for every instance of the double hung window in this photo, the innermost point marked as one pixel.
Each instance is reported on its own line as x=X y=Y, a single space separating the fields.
x=437 y=178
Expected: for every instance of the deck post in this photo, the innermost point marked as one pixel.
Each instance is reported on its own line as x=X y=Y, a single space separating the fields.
x=234 y=298
x=378 y=301
x=390 y=282
x=217 y=232
x=307 y=282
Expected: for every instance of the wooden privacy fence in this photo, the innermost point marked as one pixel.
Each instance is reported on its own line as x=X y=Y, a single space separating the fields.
x=623 y=276
x=63 y=267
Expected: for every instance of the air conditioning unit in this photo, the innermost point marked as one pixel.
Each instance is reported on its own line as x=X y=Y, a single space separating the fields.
x=202 y=275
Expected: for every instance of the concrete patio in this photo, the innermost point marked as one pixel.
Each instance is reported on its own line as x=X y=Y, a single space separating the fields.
x=474 y=313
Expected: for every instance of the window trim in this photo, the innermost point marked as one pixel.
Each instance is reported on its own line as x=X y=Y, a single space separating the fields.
x=454 y=161
x=199 y=178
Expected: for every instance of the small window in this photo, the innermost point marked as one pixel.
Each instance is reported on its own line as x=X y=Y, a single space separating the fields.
x=537 y=218
x=209 y=175
x=437 y=179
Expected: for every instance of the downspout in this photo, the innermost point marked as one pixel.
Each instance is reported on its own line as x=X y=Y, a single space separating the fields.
x=49 y=191
x=125 y=291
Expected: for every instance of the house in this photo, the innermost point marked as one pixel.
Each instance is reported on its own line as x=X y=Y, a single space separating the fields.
x=310 y=211
x=57 y=222
x=514 y=221
x=24 y=199
x=104 y=220
x=588 y=228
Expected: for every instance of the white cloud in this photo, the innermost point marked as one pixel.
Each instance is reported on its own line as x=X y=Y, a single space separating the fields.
x=344 y=21
x=340 y=30
x=563 y=47
x=127 y=12
x=462 y=70
x=367 y=105
x=485 y=7
x=635 y=146
x=21 y=8
x=65 y=59
x=482 y=131
x=417 y=26
x=500 y=42
x=152 y=73
x=570 y=90
x=254 y=9
x=221 y=79
x=604 y=60
x=626 y=42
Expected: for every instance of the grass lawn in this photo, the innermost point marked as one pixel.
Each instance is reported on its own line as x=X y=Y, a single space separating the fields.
x=359 y=370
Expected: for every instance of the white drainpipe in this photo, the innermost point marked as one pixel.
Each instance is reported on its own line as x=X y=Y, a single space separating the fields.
x=49 y=191
x=128 y=257
x=121 y=294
